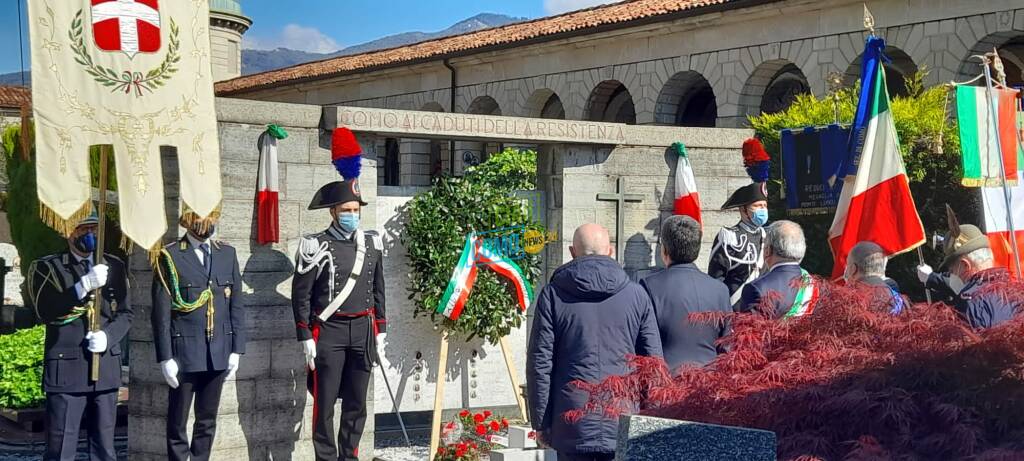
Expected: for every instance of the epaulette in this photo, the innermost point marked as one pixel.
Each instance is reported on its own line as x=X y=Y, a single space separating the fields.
x=375 y=237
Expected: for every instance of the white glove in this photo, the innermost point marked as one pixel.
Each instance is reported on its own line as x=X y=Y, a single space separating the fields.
x=170 y=370
x=923 y=272
x=232 y=365
x=309 y=348
x=97 y=341
x=96 y=278
x=380 y=341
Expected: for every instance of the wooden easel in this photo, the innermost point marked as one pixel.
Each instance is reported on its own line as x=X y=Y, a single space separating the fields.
x=442 y=365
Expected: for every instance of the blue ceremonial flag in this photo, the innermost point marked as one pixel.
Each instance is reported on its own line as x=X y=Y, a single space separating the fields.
x=809 y=159
x=872 y=61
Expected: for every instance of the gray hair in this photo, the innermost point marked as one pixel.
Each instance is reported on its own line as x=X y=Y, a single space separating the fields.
x=681 y=237
x=869 y=258
x=980 y=256
x=786 y=239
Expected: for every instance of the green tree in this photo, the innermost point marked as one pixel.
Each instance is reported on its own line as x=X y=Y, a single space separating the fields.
x=923 y=122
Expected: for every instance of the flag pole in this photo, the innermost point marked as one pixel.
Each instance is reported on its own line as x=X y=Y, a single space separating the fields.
x=96 y=309
x=994 y=113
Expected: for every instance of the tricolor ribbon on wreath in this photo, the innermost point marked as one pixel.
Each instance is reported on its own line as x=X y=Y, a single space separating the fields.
x=134 y=74
x=475 y=252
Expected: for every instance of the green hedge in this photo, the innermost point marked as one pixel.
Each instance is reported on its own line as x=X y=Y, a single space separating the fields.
x=21 y=368
x=435 y=233
x=934 y=177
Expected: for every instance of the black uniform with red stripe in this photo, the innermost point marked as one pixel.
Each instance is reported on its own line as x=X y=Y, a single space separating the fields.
x=70 y=394
x=345 y=350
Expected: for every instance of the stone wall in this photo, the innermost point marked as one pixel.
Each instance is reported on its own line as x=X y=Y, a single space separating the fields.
x=265 y=411
x=573 y=175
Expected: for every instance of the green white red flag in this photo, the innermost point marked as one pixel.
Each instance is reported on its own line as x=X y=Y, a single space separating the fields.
x=510 y=270
x=875 y=204
x=978 y=134
x=687 y=200
x=461 y=283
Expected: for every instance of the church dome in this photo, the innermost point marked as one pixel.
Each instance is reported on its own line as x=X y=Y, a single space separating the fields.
x=226 y=6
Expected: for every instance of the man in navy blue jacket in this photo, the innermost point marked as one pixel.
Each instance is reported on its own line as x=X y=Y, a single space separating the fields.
x=682 y=289
x=786 y=290
x=588 y=320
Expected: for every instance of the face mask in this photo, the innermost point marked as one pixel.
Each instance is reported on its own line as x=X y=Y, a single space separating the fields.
x=204 y=235
x=86 y=243
x=848 y=275
x=349 y=222
x=759 y=217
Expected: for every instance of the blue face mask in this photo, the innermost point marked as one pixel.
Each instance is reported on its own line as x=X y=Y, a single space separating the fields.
x=759 y=217
x=349 y=222
x=86 y=243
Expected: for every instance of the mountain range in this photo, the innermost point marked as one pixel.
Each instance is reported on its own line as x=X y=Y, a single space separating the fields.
x=254 y=61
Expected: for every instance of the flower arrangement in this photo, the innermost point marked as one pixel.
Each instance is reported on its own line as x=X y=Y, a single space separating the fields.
x=851 y=381
x=471 y=436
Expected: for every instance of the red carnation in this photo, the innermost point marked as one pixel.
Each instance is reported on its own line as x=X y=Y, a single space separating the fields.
x=495 y=426
x=464 y=413
x=481 y=430
x=487 y=414
x=478 y=418
x=504 y=422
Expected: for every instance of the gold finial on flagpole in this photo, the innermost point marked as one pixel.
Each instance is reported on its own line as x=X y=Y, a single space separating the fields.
x=869 y=20
x=997 y=64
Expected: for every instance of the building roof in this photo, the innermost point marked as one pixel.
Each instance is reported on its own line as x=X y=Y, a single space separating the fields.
x=15 y=96
x=226 y=6
x=620 y=14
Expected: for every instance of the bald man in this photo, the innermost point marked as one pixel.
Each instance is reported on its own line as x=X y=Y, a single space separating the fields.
x=588 y=320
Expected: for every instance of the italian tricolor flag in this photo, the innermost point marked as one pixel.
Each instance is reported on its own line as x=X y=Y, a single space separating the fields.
x=978 y=134
x=461 y=283
x=875 y=204
x=998 y=229
x=267 y=227
x=687 y=200
x=510 y=270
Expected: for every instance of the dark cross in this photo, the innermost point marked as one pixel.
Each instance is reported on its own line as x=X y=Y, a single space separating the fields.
x=620 y=197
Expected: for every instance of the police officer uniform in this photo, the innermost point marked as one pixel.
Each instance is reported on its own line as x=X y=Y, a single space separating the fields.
x=326 y=264
x=70 y=393
x=198 y=321
x=737 y=254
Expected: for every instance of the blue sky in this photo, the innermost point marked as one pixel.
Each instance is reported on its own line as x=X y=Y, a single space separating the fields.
x=324 y=25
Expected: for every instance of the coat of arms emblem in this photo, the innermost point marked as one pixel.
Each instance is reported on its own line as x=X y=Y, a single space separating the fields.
x=129 y=26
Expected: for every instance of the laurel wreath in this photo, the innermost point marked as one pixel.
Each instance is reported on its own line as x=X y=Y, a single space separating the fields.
x=126 y=80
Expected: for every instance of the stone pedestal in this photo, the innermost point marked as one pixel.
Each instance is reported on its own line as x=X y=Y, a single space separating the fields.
x=643 y=438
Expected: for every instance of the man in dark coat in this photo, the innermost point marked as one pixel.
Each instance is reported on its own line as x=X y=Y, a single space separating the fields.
x=339 y=306
x=787 y=290
x=865 y=267
x=588 y=320
x=62 y=286
x=682 y=289
x=974 y=283
x=199 y=330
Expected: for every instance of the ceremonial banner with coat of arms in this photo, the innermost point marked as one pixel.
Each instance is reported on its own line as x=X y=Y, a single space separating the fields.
x=134 y=74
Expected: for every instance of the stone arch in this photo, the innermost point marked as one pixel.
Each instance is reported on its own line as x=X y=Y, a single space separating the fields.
x=1010 y=45
x=611 y=101
x=687 y=99
x=484 y=105
x=432 y=106
x=772 y=87
x=899 y=68
x=544 y=103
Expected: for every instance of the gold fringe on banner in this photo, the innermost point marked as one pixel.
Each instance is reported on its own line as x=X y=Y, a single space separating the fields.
x=189 y=217
x=63 y=226
x=987 y=182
